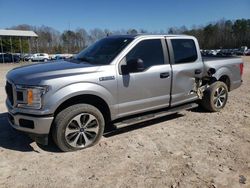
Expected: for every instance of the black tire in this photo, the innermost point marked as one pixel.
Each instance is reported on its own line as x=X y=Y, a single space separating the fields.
x=65 y=120
x=215 y=97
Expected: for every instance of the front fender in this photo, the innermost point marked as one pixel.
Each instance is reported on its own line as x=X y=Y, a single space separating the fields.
x=77 y=89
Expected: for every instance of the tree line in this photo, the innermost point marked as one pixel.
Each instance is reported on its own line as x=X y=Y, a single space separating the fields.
x=220 y=34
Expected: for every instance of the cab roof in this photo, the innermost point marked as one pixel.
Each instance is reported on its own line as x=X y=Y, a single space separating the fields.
x=146 y=35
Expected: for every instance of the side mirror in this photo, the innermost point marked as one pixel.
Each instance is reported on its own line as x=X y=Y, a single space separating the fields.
x=133 y=65
x=211 y=71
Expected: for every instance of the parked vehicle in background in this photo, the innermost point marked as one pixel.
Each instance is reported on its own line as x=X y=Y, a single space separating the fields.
x=118 y=81
x=226 y=52
x=27 y=57
x=247 y=52
x=40 y=57
x=215 y=52
x=239 y=52
x=57 y=57
x=9 y=58
x=242 y=50
x=61 y=56
x=53 y=56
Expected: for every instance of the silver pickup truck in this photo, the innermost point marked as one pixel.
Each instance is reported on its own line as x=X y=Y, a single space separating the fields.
x=117 y=81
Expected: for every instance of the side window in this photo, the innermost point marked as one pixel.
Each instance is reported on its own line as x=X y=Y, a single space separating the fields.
x=149 y=51
x=184 y=50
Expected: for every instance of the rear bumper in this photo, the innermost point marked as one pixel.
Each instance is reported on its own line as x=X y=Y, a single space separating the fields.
x=236 y=84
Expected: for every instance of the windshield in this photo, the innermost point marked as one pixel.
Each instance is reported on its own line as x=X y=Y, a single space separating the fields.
x=103 y=51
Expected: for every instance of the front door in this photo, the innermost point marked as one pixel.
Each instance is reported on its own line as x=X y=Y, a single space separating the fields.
x=149 y=88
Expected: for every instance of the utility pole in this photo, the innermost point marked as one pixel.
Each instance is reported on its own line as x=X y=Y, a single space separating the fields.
x=11 y=49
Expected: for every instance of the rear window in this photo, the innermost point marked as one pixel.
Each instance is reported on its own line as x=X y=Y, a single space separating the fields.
x=184 y=50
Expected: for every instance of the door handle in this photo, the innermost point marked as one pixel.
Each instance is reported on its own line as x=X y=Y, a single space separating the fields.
x=197 y=71
x=164 y=75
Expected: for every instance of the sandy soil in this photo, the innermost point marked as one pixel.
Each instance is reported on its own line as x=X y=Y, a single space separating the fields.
x=190 y=149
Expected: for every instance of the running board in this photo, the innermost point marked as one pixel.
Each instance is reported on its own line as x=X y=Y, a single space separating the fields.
x=148 y=117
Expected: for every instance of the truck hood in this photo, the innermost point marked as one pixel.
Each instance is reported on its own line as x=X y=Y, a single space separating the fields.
x=36 y=74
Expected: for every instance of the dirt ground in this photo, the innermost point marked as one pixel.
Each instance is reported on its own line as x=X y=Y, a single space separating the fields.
x=190 y=149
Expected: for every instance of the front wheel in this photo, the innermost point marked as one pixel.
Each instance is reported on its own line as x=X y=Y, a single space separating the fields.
x=215 y=97
x=78 y=127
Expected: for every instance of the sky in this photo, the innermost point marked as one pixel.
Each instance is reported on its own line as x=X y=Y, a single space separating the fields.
x=152 y=15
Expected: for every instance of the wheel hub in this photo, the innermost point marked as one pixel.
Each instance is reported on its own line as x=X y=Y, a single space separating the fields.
x=82 y=130
x=220 y=97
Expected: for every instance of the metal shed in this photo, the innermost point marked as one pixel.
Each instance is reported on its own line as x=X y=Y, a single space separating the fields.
x=17 y=34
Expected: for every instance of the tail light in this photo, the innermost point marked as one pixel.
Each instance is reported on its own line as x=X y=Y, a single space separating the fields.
x=241 y=69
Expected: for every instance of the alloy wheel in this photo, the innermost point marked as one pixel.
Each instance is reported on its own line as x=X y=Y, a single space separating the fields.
x=220 y=96
x=82 y=130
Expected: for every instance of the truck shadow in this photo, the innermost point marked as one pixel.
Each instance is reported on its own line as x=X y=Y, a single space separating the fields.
x=115 y=132
x=16 y=140
x=134 y=127
x=199 y=109
x=12 y=139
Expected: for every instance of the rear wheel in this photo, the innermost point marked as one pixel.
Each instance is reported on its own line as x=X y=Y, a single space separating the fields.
x=215 y=97
x=78 y=127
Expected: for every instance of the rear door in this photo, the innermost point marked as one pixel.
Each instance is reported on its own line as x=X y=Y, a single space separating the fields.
x=40 y=57
x=148 y=89
x=187 y=66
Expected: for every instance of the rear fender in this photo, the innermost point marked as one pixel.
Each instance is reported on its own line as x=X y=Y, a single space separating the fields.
x=223 y=71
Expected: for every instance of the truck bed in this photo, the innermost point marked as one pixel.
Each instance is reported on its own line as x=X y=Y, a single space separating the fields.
x=218 y=62
x=218 y=58
x=225 y=66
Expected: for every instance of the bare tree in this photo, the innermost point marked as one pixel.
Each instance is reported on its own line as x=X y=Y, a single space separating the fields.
x=96 y=34
x=81 y=38
x=220 y=34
